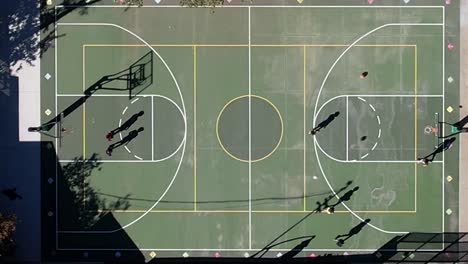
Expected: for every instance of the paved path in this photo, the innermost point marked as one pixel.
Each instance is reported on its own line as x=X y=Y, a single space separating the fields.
x=463 y=112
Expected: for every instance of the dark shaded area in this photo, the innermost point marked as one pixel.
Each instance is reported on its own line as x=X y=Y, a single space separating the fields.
x=324 y=123
x=78 y=206
x=363 y=138
x=400 y=249
x=11 y=194
x=297 y=249
x=460 y=124
x=21 y=21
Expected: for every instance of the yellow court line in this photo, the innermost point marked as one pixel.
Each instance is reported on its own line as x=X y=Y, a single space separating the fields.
x=250 y=96
x=246 y=211
x=194 y=46
x=415 y=127
x=252 y=45
x=304 y=114
x=195 y=128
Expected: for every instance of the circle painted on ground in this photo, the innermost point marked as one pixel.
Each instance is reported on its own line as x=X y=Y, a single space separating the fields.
x=232 y=128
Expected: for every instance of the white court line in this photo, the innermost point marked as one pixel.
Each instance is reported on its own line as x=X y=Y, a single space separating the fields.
x=250 y=134
x=56 y=140
x=255 y=6
x=347 y=128
x=152 y=128
x=378 y=119
x=362 y=99
x=246 y=249
x=184 y=117
x=138 y=157
x=127 y=149
x=380 y=132
x=125 y=110
x=443 y=125
x=136 y=99
x=365 y=156
x=376 y=96
x=375 y=145
x=373 y=109
x=316 y=105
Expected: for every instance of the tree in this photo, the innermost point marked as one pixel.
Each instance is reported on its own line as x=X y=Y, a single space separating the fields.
x=7 y=228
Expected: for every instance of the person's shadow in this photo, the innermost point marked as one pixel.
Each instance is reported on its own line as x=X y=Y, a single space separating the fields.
x=11 y=194
x=127 y=124
x=324 y=123
x=297 y=249
x=346 y=197
x=133 y=134
x=447 y=144
x=354 y=231
x=324 y=205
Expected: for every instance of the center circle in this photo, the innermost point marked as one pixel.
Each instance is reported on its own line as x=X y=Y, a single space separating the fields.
x=266 y=129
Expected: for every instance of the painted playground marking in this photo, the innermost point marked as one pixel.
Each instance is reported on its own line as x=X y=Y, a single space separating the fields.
x=184 y=117
x=316 y=113
x=314 y=143
x=152 y=127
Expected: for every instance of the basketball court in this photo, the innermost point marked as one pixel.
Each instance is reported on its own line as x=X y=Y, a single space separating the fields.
x=222 y=162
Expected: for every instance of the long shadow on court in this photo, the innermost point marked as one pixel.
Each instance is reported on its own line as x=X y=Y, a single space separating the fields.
x=235 y=203
x=141 y=75
x=78 y=209
x=319 y=209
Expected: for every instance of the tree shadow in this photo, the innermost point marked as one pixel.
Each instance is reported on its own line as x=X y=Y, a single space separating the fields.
x=29 y=25
x=79 y=198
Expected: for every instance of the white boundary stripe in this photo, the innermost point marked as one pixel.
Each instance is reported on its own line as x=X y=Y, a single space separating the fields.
x=362 y=99
x=138 y=157
x=125 y=110
x=443 y=119
x=365 y=156
x=127 y=149
x=136 y=99
x=317 y=101
x=152 y=127
x=250 y=134
x=378 y=120
x=56 y=140
x=375 y=145
x=254 y=6
x=242 y=250
x=184 y=117
x=373 y=109
x=347 y=128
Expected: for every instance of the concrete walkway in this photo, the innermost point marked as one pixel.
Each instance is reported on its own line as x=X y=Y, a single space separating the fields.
x=463 y=202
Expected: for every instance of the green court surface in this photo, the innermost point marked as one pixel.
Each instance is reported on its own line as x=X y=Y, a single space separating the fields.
x=225 y=162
